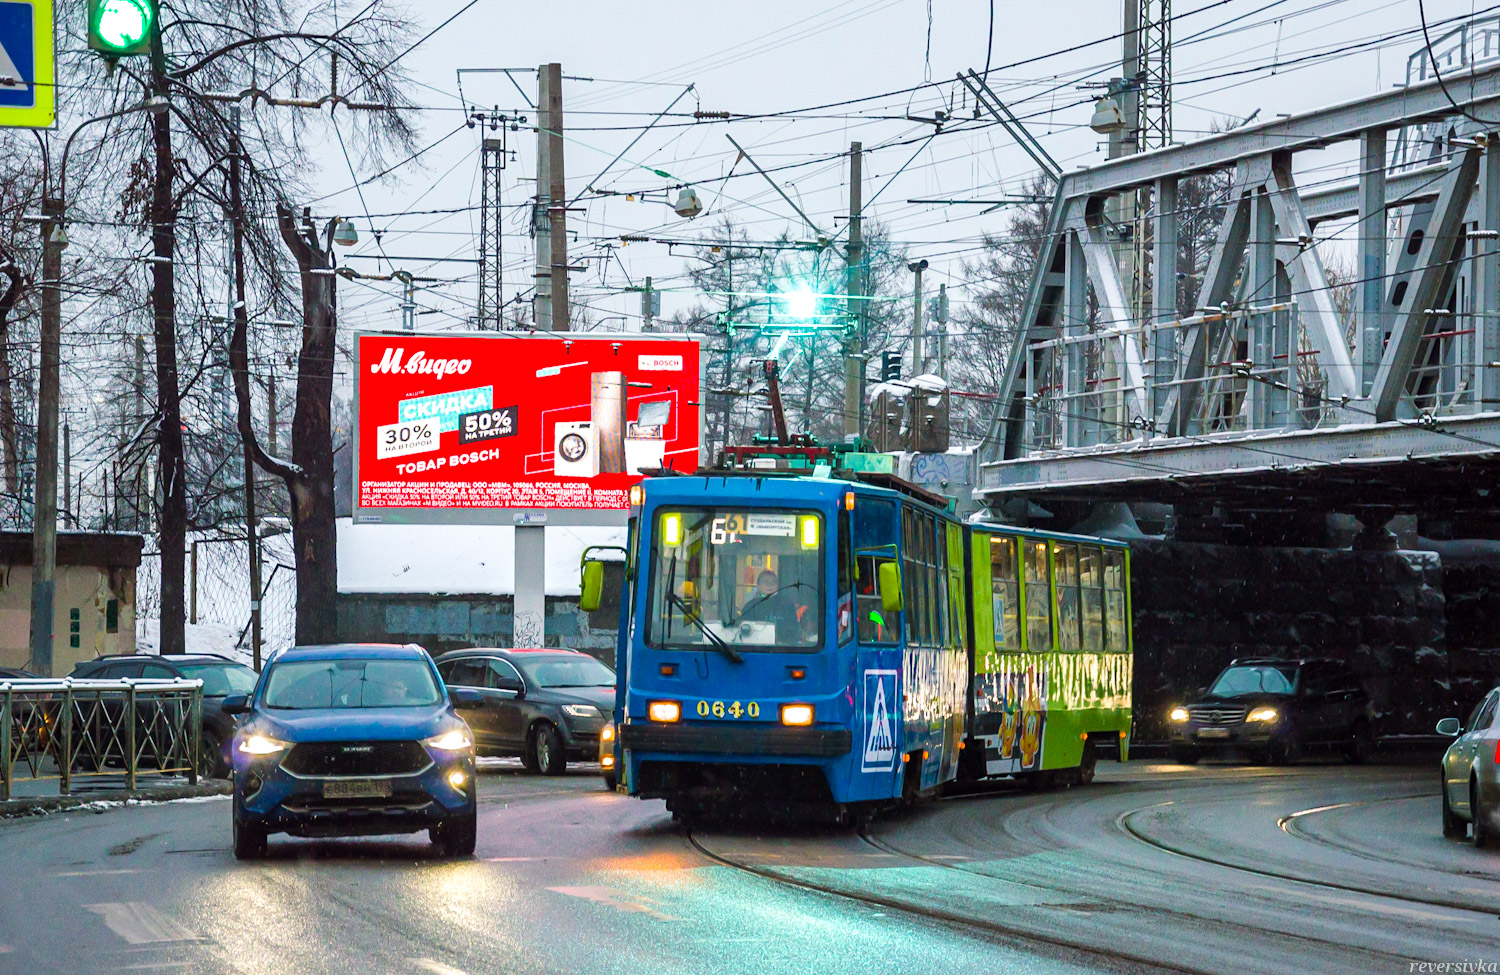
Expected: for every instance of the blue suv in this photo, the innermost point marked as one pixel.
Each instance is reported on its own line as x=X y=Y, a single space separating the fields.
x=353 y=740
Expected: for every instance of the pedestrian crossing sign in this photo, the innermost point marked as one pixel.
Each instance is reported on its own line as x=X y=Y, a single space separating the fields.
x=27 y=81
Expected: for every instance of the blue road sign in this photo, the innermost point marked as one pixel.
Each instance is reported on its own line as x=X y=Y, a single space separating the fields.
x=26 y=65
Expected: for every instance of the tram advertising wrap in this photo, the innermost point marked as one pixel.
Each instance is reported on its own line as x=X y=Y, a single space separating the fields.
x=511 y=421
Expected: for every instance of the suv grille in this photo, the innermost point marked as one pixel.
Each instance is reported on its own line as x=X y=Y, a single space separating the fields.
x=1217 y=715
x=357 y=758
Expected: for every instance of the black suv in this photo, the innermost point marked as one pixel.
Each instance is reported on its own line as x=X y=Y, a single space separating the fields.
x=221 y=677
x=1275 y=710
x=546 y=706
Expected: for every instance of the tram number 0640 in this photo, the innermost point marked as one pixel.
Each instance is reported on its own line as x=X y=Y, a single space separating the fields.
x=733 y=709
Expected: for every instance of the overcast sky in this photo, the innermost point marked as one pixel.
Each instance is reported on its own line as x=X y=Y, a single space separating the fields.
x=778 y=56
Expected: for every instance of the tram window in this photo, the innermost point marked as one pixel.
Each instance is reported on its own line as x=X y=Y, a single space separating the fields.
x=1038 y=599
x=1004 y=593
x=1067 y=596
x=919 y=574
x=1114 y=600
x=875 y=531
x=942 y=594
x=1091 y=597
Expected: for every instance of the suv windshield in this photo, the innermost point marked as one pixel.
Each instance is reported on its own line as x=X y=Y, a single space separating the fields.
x=221 y=680
x=383 y=683
x=569 y=671
x=1256 y=679
x=750 y=578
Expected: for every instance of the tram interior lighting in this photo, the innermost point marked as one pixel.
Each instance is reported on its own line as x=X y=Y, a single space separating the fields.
x=848 y=500
x=1179 y=714
x=664 y=711
x=671 y=529
x=809 y=533
x=1262 y=714
x=797 y=714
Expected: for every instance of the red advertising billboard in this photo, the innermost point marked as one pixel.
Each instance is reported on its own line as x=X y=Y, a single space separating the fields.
x=518 y=421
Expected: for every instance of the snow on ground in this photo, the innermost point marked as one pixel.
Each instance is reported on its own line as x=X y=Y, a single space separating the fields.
x=200 y=638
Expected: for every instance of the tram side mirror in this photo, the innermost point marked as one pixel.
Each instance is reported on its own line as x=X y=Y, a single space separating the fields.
x=592 y=589
x=890 y=587
x=1449 y=727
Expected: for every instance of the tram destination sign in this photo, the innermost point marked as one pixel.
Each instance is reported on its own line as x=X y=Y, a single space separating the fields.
x=482 y=427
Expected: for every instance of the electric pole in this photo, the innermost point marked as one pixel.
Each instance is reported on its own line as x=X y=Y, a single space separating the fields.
x=854 y=287
x=550 y=215
x=916 y=267
x=491 y=252
x=240 y=315
x=44 y=516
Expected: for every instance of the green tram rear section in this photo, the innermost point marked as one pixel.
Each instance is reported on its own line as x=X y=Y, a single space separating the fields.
x=1052 y=654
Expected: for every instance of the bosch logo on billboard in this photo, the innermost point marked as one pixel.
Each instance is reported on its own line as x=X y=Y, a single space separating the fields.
x=580 y=419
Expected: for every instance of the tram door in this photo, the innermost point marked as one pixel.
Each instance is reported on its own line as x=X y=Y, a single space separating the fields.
x=873 y=529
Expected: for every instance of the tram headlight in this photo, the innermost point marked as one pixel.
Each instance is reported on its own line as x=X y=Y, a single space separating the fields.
x=797 y=714
x=1262 y=714
x=664 y=711
x=1179 y=714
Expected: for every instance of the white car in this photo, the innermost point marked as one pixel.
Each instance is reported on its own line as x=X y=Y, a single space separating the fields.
x=1471 y=783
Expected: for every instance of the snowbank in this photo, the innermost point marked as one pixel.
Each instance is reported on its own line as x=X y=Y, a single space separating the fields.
x=458 y=559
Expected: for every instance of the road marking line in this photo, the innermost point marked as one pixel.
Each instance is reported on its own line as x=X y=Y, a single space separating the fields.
x=140 y=923
x=436 y=967
x=616 y=899
x=155 y=964
x=93 y=873
x=508 y=859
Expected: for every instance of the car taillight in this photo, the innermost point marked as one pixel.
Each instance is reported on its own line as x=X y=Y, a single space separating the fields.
x=1497 y=752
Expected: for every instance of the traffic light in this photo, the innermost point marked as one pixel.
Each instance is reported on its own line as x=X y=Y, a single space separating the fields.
x=890 y=366
x=121 y=28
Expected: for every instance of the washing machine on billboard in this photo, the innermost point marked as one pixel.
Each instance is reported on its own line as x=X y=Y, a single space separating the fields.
x=575 y=450
x=645 y=439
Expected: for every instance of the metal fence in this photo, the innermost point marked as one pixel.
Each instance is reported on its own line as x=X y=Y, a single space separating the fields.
x=80 y=729
x=218 y=595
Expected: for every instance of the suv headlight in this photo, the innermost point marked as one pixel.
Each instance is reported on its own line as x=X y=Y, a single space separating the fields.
x=261 y=745
x=1179 y=714
x=1262 y=714
x=450 y=741
x=580 y=710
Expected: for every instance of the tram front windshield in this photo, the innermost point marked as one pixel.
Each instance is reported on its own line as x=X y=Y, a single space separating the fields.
x=752 y=579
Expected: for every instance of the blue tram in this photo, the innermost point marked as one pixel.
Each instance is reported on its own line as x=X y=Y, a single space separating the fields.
x=796 y=644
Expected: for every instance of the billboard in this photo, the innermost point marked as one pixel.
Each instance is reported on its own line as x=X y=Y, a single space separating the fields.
x=478 y=427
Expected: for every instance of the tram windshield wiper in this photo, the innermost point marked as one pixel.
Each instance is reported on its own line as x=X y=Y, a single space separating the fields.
x=696 y=620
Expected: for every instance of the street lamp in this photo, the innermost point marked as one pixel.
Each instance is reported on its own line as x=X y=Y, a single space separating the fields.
x=49 y=347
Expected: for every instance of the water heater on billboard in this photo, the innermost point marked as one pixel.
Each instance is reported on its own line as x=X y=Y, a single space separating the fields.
x=575 y=450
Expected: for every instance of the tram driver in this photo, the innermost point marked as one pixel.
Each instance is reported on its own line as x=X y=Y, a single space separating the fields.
x=771 y=603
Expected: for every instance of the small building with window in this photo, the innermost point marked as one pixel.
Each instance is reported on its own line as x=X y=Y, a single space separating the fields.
x=94 y=610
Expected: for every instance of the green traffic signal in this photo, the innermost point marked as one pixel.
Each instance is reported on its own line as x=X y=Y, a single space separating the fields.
x=121 y=27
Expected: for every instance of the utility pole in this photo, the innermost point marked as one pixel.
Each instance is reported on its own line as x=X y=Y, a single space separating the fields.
x=550 y=215
x=44 y=518
x=854 y=287
x=273 y=428
x=529 y=627
x=940 y=315
x=491 y=294
x=650 y=306
x=916 y=267
x=68 y=517
x=240 y=314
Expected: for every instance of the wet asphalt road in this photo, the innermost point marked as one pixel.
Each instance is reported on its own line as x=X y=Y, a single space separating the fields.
x=1154 y=867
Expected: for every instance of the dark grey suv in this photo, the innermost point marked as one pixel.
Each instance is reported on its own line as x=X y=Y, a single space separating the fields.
x=545 y=706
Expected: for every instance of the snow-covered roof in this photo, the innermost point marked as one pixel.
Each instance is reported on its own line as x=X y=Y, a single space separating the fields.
x=460 y=559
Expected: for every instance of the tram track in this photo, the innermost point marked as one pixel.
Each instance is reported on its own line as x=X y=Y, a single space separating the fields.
x=1123 y=821
x=1290 y=824
x=1156 y=910
x=951 y=918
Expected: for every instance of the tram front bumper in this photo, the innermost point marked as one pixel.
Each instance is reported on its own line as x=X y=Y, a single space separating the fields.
x=738 y=740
